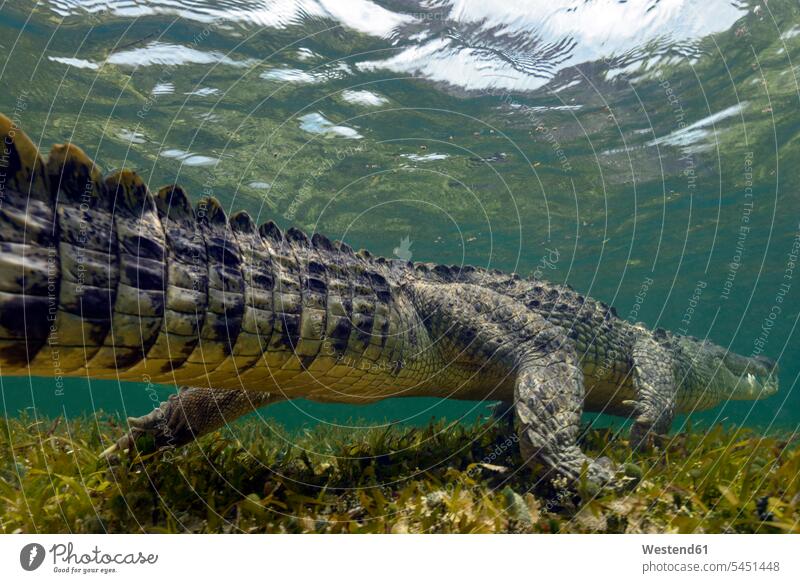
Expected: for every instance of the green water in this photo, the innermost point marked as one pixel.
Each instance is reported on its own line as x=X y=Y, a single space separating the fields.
x=644 y=152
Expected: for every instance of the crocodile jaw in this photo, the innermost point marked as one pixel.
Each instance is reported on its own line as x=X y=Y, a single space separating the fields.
x=714 y=374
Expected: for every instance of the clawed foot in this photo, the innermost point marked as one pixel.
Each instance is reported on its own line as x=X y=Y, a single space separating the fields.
x=646 y=431
x=607 y=475
x=643 y=437
x=167 y=426
x=602 y=474
x=592 y=476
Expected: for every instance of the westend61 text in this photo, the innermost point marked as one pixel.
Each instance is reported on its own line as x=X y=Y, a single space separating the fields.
x=675 y=550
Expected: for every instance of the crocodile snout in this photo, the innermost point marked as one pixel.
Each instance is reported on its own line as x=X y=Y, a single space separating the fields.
x=769 y=363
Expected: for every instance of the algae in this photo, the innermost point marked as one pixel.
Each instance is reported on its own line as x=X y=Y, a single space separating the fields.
x=442 y=478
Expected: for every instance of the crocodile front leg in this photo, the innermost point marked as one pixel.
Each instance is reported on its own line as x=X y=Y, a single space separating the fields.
x=549 y=395
x=190 y=413
x=507 y=340
x=656 y=389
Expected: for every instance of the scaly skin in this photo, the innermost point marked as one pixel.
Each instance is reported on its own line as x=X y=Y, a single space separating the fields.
x=99 y=278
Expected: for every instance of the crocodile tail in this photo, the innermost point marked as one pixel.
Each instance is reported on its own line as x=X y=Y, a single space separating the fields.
x=28 y=265
x=81 y=263
x=100 y=278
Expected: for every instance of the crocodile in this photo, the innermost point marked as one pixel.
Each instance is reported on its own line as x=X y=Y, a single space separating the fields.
x=100 y=278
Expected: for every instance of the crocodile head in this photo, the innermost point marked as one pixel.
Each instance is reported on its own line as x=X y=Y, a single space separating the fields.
x=718 y=375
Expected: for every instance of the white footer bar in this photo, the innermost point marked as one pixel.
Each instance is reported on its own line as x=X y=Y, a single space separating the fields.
x=371 y=558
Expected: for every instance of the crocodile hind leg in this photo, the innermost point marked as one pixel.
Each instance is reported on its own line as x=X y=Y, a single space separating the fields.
x=549 y=395
x=656 y=389
x=190 y=413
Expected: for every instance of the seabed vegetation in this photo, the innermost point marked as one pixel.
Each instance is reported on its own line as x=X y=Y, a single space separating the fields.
x=443 y=478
